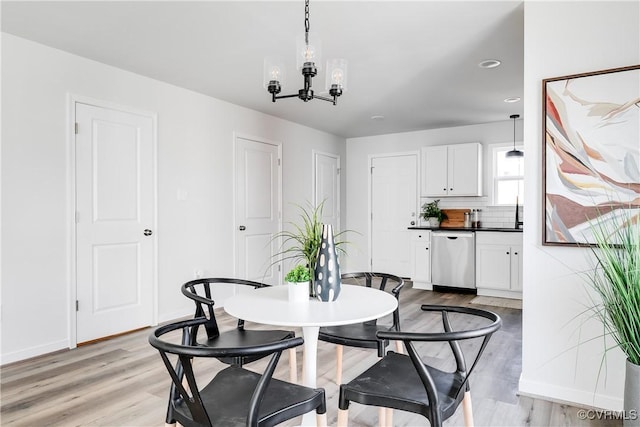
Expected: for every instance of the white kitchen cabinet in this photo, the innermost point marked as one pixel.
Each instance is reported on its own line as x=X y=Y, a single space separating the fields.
x=452 y=170
x=499 y=264
x=421 y=259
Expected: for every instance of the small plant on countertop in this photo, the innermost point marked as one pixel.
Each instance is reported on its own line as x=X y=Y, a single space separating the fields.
x=432 y=210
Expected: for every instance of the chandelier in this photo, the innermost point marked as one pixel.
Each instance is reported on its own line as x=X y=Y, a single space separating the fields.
x=308 y=55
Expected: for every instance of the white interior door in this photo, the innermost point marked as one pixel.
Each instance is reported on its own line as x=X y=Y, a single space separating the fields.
x=394 y=198
x=115 y=213
x=257 y=210
x=326 y=187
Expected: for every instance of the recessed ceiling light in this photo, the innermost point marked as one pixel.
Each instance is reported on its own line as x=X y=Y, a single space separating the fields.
x=512 y=99
x=377 y=118
x=489 y=63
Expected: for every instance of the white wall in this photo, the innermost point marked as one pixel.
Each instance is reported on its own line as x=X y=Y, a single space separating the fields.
x=563 y=38
x=195 y=152
x=359 y=150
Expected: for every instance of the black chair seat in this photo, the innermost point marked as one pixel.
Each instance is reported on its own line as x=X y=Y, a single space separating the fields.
x=400 y=388
x=361 y=335
x=242 y=338
x=227 y=409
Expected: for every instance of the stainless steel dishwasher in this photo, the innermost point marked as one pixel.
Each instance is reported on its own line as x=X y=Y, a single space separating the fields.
x=453 y=259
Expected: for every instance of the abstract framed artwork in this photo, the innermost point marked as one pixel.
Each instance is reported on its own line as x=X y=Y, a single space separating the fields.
x=590 y=154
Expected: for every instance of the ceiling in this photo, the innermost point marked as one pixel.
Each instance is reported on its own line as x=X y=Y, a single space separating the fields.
x=413 y=62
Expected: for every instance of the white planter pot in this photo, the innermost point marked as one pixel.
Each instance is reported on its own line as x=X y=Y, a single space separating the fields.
x=433 y=222
x=298 y=292
x=631 y=396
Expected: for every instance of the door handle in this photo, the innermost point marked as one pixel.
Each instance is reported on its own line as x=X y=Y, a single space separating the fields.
x=413 y=223
x=147 y=232
x=242 y=228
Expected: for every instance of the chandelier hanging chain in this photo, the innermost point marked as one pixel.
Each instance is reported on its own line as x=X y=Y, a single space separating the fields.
x=306 y=21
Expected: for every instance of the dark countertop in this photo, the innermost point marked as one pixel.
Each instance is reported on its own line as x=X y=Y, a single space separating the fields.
x=500 y=229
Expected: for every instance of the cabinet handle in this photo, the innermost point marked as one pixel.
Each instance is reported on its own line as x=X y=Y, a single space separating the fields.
x=507 y=253
x=451 y=189
x=515 y=253
x=426 y=249
x=444 y=189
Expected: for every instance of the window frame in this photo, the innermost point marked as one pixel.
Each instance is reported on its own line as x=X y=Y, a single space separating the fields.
x=494 y=178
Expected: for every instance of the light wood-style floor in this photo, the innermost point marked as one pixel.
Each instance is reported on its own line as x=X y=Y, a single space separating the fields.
x=122 y=381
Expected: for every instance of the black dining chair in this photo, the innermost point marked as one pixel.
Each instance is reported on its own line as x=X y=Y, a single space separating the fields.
x=407 y=383
x=235 y=396
x=364 y=335
x=201 y=292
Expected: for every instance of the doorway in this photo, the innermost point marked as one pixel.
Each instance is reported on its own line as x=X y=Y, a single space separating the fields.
x=393 y=208
x=115 y=220
x=326 y=187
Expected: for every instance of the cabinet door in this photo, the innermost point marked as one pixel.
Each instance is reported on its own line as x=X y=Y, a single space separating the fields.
x=434 y=171
x=464 y=170
x=493 y=266
x=421 y=262
x=516 y=268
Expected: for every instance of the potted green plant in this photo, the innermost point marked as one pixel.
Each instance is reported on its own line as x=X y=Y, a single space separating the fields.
x=616 y=281
x=298 y=279
x=301 y=242
x=431 y=212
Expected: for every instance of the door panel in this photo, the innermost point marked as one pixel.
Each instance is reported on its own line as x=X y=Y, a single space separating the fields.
x=257 y=210
x=393 y=206
x=327 y=187
x=115 y=204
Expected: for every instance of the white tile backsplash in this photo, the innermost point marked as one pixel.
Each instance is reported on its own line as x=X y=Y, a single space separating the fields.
x=490 y=216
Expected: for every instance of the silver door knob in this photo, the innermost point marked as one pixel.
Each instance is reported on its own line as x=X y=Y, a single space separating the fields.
x=147 y=232
x=242 y=228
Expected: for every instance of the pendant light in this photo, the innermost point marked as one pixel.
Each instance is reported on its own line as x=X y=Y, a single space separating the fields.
x=514 y=152
x=308 y=61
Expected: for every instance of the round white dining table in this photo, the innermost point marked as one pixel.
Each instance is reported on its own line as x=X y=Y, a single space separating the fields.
x=271 y=306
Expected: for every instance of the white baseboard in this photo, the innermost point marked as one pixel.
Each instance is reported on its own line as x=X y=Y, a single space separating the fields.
x=28 y=353
x=570 y=396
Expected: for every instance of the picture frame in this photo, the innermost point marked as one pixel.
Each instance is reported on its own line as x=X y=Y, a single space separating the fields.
x=590 y=153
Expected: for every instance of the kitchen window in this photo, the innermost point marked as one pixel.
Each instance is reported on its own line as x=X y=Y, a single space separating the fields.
x=508 y=176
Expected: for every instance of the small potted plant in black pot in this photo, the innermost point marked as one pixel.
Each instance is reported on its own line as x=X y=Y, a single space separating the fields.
x=431 y=212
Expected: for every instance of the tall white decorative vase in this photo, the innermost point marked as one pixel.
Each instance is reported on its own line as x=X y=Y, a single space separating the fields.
x=327 y=271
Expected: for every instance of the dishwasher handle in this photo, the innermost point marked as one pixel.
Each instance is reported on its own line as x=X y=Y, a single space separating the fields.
x=452 y=235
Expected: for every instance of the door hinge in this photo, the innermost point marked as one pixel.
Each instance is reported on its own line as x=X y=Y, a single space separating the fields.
x=279 y=269
x=338 y=171
x=77 y=306
x=77 y=217
x=76 y=128
x=278 y=162
x=371 y=170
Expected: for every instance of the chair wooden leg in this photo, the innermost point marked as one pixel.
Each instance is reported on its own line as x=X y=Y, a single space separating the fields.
x=339 y=350
x=293 y=366
x=399 y=348
x=321 y=420
x=382 y=417
x=467 y=409
x=343 y=417
x=389 y=417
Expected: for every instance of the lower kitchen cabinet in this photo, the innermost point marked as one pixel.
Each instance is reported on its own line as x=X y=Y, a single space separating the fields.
x=499 y=264
x=421 y=259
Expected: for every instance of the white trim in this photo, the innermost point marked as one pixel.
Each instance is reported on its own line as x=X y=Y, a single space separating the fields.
x=35 y=351
x=261 y=140
x=72 y=100
x=566 y=395
x=370 y=159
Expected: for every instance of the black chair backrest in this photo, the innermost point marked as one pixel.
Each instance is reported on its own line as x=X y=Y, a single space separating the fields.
x=385 y=280
x=199 y=291
x=186 y=352
x=453 y=338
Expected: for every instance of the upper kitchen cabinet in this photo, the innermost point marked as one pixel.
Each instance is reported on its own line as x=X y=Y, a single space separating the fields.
x=452 y=170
